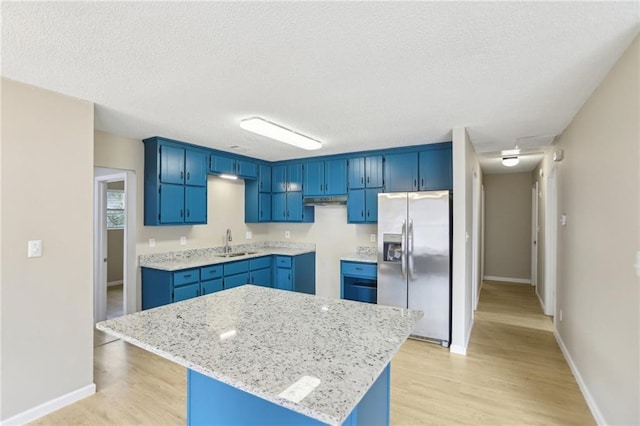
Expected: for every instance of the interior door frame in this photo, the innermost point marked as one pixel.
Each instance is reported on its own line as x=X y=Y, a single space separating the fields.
x=475 y=241
x=102 y=176
x=534 y=234
x=550 y=244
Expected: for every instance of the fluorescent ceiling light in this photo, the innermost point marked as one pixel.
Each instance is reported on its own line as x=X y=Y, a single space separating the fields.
x=224 y=176
x=510 y=161
x=279 y=133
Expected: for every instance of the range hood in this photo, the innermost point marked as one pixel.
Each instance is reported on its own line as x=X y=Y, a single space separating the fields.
x=338 y=200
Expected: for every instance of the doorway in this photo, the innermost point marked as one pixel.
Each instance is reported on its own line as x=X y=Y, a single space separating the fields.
x=115 y=290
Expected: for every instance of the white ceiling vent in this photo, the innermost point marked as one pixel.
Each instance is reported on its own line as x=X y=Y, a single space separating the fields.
x=239 y=148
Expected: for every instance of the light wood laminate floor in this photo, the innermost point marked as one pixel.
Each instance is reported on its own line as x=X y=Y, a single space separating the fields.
x=514 y=373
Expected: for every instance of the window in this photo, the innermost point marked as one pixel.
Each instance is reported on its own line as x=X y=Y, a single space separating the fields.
x=115 y=209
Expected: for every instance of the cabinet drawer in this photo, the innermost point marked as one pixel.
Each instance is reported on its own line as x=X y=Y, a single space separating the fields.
x=360 y=292
x=283 y=261
x=236 y=267
x=260 y=263
x=210 y=272
x=187 y=276
x=360 y=269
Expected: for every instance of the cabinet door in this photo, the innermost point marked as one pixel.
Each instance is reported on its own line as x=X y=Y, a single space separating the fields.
x=264 y=178
x=373 y=173
x=222 y=164
x=401 y=172
x=294 y=206
x=314 y=178
x=236 y=280
x=356 y=206
x=279 y=179
x=335 y=177
x=279 y=207
x=211 y=286
x=294 y=177
x=261 y=277
x=264 y=207
x=283 y=279
x=371 y=204
x=436 y=170
x=195 y=168
x=195 y=204
x=171 y=164
x=246 y=169
x=171 y=203
x=186 y=292
x=356 y=173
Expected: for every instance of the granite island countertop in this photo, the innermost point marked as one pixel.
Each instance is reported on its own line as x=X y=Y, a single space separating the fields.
x=194 y=258
x=262 y=340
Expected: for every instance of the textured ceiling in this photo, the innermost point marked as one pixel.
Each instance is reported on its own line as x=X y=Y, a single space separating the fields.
x=355 y=76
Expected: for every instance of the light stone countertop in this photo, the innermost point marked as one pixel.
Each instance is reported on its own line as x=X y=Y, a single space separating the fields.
x=277 y=337
x=177 y=260
x=363 y=254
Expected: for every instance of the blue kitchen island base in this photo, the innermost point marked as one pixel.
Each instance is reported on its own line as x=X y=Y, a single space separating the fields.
x=211 y=402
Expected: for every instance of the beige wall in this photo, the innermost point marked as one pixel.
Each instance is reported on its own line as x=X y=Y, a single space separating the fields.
x=508 y=225
x=465 y=164
x=47 y=194
x=330 y=232
x=598 y=291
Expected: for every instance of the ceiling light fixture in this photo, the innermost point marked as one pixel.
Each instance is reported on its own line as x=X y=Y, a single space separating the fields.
x=510 y=161
x=274 y=131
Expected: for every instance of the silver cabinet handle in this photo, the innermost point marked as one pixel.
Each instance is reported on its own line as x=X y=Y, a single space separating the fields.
x=403 y=257
x=410 y=247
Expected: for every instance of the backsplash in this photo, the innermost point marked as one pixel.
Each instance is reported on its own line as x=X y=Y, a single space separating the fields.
x=367 y=250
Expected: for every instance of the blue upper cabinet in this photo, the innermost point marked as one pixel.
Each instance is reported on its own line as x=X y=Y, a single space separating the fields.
x=171 y=164
x=175 y=183
x=436 y=169
x=325 y=178
x=195 y=168
x=264 y=178
x=362 y=205
x=220 y=164
x=365 y=172
x=279 y=178
x=401 y=172
x=257 y=197
x=294 y=177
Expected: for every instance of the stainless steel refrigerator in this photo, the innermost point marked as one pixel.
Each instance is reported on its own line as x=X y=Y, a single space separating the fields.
x=414 y=258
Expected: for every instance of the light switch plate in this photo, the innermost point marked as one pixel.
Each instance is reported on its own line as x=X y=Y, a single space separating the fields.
x=34 y=248
x=287 y=234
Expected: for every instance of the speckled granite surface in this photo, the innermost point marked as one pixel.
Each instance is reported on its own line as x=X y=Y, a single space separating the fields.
x=279 y=337
x=363 y=254
x=176 y=260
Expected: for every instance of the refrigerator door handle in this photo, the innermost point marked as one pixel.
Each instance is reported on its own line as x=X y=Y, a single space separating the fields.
x=403 y=249
x=410 y=247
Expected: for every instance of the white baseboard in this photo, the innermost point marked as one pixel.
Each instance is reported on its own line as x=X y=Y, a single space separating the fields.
x=462 y=349
x=508 y=280
x=595 y=411
x=50 y=406
x=113 y=283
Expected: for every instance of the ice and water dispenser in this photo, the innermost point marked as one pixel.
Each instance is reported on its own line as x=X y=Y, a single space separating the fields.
x=391 y=247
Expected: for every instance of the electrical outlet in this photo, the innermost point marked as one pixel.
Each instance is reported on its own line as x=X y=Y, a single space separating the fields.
x=34 y=248
x=183 y=241
x=152 y=242
x=372 y=238
x=248 y=235
x=287 y=234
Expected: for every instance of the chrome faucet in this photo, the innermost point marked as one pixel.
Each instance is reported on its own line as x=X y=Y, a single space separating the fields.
x=227 y=238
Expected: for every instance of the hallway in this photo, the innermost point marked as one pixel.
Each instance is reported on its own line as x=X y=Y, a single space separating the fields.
x=514 y=373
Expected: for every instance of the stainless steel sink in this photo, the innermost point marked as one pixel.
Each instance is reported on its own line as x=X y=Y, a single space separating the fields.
x=246 y=253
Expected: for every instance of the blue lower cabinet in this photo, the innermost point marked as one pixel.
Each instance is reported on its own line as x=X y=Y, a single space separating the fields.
x=261 y=277
x=211 y=286
x=186 y=292
x=359 y=281
x=283 y=279
x=295 y=273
